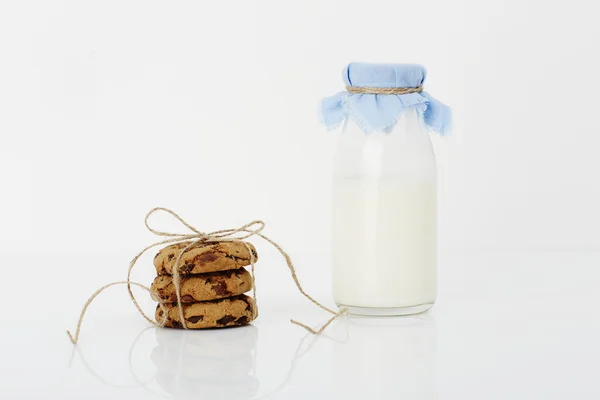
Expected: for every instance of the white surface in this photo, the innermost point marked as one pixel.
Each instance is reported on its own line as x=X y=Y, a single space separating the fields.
x=505 y=326
x=101 y=102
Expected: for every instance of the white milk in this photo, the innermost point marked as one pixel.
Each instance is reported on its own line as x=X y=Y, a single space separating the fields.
x=384 y=243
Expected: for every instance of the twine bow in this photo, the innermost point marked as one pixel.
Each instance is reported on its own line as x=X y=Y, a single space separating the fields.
x=225 y=235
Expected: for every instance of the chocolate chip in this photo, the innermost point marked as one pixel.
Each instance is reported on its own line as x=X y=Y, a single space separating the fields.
x=164 y=296
x=186 y=268
x=225 y=320
x=195 y=319
x=220 y=288
x=206 y=257
x=241 y=320
x=170 y=256
x=176 y=324
x=187 y=299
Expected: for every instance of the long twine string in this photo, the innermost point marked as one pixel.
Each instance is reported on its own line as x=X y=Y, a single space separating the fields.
x=229 y=235
x=376 y=90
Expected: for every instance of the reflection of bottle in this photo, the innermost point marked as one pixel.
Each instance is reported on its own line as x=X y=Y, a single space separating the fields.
x=386 y=357
x=218 y=363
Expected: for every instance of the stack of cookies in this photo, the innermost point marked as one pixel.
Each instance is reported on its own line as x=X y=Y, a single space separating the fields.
x=212 y=285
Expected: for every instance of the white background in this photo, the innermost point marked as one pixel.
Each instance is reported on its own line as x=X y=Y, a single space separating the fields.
x=110 y=108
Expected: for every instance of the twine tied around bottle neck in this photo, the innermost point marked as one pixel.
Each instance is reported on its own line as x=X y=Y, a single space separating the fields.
x=195 y=238
x=376 y=90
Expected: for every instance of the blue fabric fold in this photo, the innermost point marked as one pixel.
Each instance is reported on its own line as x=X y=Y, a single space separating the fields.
x=378 y=112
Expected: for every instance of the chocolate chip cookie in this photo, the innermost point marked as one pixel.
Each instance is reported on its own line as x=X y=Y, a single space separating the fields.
x=231 y=311
x=209 y=286
x=204 y=257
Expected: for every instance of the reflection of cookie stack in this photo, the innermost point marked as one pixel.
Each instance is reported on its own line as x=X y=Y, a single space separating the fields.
x=212 y=285
x=219 y=365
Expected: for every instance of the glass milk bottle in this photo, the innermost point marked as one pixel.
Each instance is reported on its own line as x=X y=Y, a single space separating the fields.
x=384 y=190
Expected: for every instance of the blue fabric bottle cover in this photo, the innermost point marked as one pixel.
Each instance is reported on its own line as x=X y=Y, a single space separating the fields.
x=380 y=112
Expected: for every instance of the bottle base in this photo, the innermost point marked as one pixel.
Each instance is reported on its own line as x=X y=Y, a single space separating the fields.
x=386 y=311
